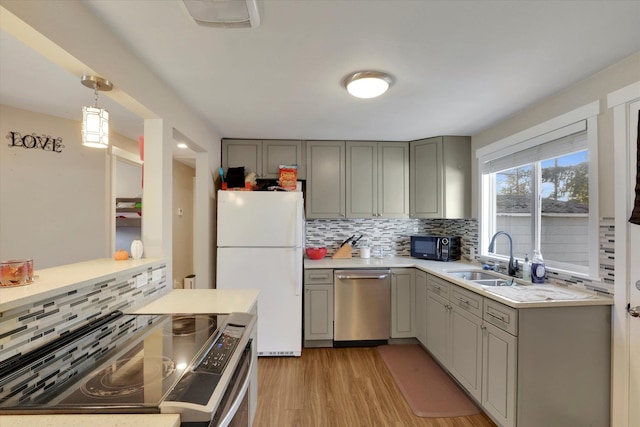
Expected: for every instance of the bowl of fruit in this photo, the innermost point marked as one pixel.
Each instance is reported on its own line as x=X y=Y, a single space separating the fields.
x=16 y=272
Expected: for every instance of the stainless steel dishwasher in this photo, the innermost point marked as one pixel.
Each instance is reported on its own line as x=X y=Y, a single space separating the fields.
x=362 y=306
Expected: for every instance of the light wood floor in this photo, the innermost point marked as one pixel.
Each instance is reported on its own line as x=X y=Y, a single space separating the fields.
x=338 y=387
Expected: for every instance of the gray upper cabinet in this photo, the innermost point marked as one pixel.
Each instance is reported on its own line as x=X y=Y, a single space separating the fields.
x=362 y=179
x=325 y=179
x=242 y=152
x=263 y=157
x=440 y=177
x=278 y=152
x=377 y=178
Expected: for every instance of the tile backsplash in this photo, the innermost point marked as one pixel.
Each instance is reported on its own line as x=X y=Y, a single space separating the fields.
x=394 y=235
x=27 y=327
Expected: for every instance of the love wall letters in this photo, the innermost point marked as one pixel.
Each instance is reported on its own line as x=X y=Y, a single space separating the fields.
x=44 y=142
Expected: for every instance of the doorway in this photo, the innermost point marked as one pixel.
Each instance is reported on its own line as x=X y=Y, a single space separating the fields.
x=126 y=176
x=626 y=329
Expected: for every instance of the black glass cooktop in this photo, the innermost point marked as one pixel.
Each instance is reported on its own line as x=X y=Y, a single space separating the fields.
x=129 y=362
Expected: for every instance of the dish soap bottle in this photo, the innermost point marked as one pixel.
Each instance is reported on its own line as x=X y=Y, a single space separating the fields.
x=526 y=269
x=537 y=267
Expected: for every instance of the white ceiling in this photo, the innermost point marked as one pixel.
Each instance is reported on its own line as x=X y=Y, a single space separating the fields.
x=459 y=66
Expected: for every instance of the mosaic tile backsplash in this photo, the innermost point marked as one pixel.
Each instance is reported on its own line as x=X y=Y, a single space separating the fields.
x=26 y=327
x=394 y=235
x=66 y=363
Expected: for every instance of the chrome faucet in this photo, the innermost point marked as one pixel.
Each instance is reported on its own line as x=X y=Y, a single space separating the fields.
x=513 y=264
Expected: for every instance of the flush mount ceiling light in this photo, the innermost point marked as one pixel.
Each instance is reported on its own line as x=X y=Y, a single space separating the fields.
x=224 y=13
x=367 y=84
x=182 y=145
x=95 y=121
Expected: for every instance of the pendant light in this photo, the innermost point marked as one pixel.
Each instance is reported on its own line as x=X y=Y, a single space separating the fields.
x=367 y=84
x=95 y=121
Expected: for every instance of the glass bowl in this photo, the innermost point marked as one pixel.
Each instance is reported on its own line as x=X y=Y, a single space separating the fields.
x=16 y=272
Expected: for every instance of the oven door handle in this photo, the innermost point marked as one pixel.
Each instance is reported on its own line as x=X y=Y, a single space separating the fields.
x=236 y=404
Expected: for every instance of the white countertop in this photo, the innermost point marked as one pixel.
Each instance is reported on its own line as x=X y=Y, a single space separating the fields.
x=54 y=280
x=199 y=301
x=93 y=420
x=534 y=296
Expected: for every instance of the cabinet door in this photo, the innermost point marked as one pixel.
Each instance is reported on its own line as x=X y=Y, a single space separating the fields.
x=438 y=327
x=465 y=360
x=426 y=199
x=393 y=180
x=403 y=293
x=242 y=152
x=456 y=171
x=325 y=179
x=277 y=152
x=318 y=312
x=499 y=352
x=421 y=307
x=362 y=179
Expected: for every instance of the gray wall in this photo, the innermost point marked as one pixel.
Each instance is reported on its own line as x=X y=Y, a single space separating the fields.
x=594 y=88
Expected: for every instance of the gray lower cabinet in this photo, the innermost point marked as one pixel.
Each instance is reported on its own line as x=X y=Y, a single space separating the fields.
x=440 y=177
x=529 y=367
x=263 y=157
x=377 y=179
x=465 y=361
x=421 y=306
x=438 y=320
x=318 y=308
x=325 y=179
x=499 y=373
x=403 y=303
x=454 y=332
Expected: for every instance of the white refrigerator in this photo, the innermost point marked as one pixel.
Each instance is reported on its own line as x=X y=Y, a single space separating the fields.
x=260 y=244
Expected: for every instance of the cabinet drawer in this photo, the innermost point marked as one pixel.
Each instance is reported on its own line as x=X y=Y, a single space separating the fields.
x=318 y=277
x=466 y=300
x=505 y=318
x=438 y=286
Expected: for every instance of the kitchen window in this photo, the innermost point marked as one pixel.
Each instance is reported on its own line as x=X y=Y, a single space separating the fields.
x=540 y=186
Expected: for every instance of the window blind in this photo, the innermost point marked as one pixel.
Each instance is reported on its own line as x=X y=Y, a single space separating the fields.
x=566 y=140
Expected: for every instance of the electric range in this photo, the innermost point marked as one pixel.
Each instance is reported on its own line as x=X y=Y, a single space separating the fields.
x=122 y=363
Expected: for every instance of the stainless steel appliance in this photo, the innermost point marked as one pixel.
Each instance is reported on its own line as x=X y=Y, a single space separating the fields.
x=362 y=306
x=436 y=248
x=198 y=366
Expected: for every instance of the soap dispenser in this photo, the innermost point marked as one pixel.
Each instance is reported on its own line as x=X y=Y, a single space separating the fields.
x=538 y=270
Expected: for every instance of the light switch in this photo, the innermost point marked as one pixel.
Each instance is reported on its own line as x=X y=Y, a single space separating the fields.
x=180 y=211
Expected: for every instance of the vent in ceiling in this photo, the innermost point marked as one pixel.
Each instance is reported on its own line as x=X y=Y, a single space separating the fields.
x=224 y=13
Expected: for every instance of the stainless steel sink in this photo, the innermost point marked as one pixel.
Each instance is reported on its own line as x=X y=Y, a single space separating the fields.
x=495 y=282
x=475 y=275
x=482 y=277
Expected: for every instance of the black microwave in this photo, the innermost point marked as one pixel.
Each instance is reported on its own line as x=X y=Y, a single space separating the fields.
x=437 y=248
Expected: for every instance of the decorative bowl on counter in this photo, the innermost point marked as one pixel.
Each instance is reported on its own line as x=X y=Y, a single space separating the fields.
x=316 y=253
x=16 y=272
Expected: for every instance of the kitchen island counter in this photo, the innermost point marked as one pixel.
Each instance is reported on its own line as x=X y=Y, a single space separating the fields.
x=49 y=282
x=552 y=295
x=203 y=301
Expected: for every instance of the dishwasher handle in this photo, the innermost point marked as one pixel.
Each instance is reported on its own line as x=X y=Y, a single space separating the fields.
x=362 y=276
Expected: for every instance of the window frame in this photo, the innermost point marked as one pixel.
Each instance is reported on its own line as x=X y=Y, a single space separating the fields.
x=537 y=135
